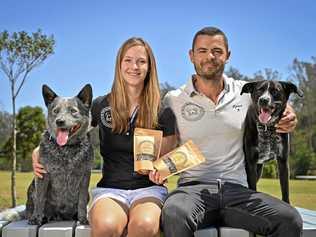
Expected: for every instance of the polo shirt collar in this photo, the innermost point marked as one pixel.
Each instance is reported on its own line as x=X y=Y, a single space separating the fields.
x=191 y=91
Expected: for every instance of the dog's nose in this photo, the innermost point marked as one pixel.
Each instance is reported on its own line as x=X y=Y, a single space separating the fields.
x=60 y=122
x=264 y=101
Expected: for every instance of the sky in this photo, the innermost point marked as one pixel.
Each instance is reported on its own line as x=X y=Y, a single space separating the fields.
x=261 y=34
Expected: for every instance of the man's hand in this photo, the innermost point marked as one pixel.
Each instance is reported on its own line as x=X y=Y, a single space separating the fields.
x=38 y=169
x=155 y=177
x=288 y=121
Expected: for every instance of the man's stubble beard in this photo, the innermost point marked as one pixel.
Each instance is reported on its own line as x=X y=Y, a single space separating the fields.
x=214 y=74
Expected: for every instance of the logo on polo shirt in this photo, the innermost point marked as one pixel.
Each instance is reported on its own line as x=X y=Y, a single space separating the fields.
x=106 y=118
x=192 y=112
x=237 y=107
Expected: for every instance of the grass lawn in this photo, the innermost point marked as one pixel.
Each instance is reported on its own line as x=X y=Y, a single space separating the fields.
x=302 y=192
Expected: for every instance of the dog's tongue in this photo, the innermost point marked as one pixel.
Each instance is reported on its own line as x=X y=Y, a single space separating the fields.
x=264 y=116
x=62 y=137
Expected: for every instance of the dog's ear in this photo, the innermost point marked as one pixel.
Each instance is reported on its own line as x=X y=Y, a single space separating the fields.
x=48 y=94
x=85 y=95
x=289 y=88
x=248 y=87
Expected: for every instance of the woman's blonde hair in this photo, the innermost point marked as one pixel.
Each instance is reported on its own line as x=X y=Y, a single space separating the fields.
x=150 y=97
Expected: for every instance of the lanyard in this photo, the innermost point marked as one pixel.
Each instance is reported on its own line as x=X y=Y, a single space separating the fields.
x=131 y=122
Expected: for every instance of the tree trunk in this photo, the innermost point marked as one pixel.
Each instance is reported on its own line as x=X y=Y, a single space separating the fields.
x=13 y=150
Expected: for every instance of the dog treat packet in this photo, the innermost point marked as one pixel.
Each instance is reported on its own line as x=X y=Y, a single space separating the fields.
x=180 y=159
x=147 y=143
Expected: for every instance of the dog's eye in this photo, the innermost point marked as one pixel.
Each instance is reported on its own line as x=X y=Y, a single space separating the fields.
x=56 y=110
x=275 y=93
x=73 y=111
x=261 y=89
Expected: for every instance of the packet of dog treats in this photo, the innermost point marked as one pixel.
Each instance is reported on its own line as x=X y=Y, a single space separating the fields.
x=147 y=143
x=180 y=159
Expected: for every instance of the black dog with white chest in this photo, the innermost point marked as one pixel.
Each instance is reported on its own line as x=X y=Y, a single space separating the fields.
x=261 y=141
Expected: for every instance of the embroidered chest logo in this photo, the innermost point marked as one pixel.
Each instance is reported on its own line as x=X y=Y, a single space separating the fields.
x=192 y=112
x=106 y=118
x=237 y=107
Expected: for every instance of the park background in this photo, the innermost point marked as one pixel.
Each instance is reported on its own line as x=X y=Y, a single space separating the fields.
x=268 y=39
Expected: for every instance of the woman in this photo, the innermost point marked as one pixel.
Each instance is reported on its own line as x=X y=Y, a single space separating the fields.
x=125 y=201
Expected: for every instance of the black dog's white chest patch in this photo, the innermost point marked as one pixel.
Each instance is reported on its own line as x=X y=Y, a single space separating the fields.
x=269 y=144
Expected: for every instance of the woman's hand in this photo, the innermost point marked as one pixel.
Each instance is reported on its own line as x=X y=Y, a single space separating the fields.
x=155 y=177
x=288 y=121
x=38 y=169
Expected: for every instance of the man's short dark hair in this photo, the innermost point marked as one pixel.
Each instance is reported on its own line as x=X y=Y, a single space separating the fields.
x=211 y=31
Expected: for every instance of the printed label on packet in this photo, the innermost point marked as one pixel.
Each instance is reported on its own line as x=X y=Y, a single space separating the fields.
x=180 y=159
x=147 y=143
x=146 y=148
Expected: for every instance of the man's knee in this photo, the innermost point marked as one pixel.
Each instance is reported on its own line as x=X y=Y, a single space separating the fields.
x=173 y=210
x=288 y=222
x=293 y=220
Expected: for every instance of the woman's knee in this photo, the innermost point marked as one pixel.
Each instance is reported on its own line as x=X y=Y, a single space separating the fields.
x=106 y=226
x=107 y=218
x=146 y=225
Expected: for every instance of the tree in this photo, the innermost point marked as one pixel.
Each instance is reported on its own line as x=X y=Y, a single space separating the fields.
x=303 y=152
x=164 y=88
x=95 y=141
x=302 y=158
x=5 y=130
x=304 y=73
x=30 y=126
x=20 y=53
x=5 y=127
x=268 y=74
x=234 y=73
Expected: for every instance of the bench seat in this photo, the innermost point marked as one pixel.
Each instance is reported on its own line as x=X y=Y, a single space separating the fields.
x=71 y=229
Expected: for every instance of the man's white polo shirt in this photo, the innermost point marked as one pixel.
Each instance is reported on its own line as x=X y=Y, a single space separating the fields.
x=217 y=129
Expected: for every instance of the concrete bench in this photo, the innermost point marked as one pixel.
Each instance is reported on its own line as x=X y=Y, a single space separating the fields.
x=53 y=229
x=71 y=229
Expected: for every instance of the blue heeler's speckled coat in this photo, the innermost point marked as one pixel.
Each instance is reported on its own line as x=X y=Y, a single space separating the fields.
x=62 y=193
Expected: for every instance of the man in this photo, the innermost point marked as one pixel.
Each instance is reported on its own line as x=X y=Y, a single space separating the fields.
x=210 y=111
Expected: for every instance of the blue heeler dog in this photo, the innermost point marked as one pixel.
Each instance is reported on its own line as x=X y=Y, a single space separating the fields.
x=66 y=154
x=261 y=141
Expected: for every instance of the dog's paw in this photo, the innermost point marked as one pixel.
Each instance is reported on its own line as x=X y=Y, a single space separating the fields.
x=35 y=221
x=83 y=221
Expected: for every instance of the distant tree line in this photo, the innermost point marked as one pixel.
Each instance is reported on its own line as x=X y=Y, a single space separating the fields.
x=303 y=149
